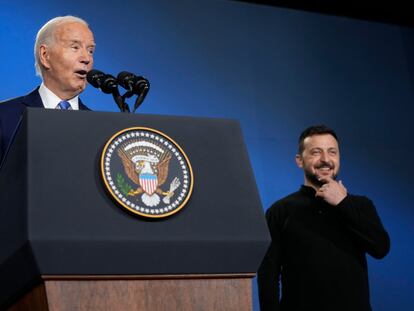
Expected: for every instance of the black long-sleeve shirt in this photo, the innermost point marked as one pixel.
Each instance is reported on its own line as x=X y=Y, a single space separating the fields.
x=318 y=251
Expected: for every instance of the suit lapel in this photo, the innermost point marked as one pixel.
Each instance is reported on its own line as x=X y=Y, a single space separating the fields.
x=82 y=106
x=33 y=99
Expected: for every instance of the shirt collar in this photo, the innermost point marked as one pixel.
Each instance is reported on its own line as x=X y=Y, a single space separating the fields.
x=308 y=191
x=51 y=100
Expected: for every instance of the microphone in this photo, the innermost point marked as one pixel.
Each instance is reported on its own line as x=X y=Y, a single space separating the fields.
x=131 y=82
x=134 y=85
x=107 y=84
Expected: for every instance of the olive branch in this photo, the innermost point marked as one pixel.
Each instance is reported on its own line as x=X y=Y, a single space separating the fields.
x=123 y=186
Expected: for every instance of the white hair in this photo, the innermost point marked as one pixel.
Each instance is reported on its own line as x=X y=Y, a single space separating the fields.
x=45 y=36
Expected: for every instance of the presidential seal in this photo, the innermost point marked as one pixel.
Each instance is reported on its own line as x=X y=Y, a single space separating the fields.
x=146 y=172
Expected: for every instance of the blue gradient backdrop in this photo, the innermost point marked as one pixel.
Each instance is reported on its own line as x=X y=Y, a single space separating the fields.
x=276 y=71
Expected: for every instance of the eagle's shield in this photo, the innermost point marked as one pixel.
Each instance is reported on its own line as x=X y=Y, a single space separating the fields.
x=148 y=182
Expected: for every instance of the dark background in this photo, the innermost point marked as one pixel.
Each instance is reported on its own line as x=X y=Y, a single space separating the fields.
x=276 y=69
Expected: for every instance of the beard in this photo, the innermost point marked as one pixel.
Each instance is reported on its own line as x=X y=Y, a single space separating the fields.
x=313 y=178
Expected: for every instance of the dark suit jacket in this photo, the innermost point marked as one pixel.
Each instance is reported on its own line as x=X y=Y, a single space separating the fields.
x=12 y=110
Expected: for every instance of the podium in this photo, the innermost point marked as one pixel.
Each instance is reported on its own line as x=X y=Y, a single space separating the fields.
x=67 y=245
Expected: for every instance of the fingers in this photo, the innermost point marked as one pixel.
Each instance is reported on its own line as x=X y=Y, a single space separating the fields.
x=332 y=191
x=323 y=187
x=325 y=180
x=342 y=185
x=319 y=193
x=328 y=180
x=321 y=190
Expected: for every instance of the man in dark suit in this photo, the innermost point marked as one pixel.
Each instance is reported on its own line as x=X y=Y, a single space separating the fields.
x=63 y=53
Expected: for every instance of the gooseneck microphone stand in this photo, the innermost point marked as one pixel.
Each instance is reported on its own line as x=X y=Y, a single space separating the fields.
x=108 y=84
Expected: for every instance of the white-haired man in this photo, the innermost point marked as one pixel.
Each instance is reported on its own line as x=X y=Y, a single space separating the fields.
x=63 y=54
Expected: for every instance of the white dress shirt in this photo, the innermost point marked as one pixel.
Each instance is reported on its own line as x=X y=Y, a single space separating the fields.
x=51 y=101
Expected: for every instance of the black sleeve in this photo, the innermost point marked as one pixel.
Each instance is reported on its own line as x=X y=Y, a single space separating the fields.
x=269 y=270
x=363 y=221
x=1 y=144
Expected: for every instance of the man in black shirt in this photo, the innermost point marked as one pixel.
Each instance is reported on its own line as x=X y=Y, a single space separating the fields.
x=320 y=235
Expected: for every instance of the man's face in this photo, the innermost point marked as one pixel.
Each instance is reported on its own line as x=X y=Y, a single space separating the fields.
x=67 y=59
x=320 y=158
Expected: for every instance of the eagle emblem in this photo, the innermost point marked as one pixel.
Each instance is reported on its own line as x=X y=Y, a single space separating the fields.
x=147 y=172
x=146 y=164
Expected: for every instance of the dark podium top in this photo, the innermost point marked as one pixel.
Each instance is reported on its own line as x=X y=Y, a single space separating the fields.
x=56 y=217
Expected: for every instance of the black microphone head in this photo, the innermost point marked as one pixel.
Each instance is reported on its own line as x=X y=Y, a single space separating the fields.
x=141 y=85
x=95 y=77
x=109 y=84
x=133 y=83
x=126 y=80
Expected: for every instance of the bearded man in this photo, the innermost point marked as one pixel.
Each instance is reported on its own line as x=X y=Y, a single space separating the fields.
x=320 y=237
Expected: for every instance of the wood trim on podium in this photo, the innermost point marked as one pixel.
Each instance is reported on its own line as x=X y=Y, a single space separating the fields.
x=144 y=293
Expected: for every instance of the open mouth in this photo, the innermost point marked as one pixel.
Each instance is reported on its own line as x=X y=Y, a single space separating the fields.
x=324 y=168
x=81 y=73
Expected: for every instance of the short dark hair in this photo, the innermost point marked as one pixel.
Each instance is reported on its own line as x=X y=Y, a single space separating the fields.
x=315 y=130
